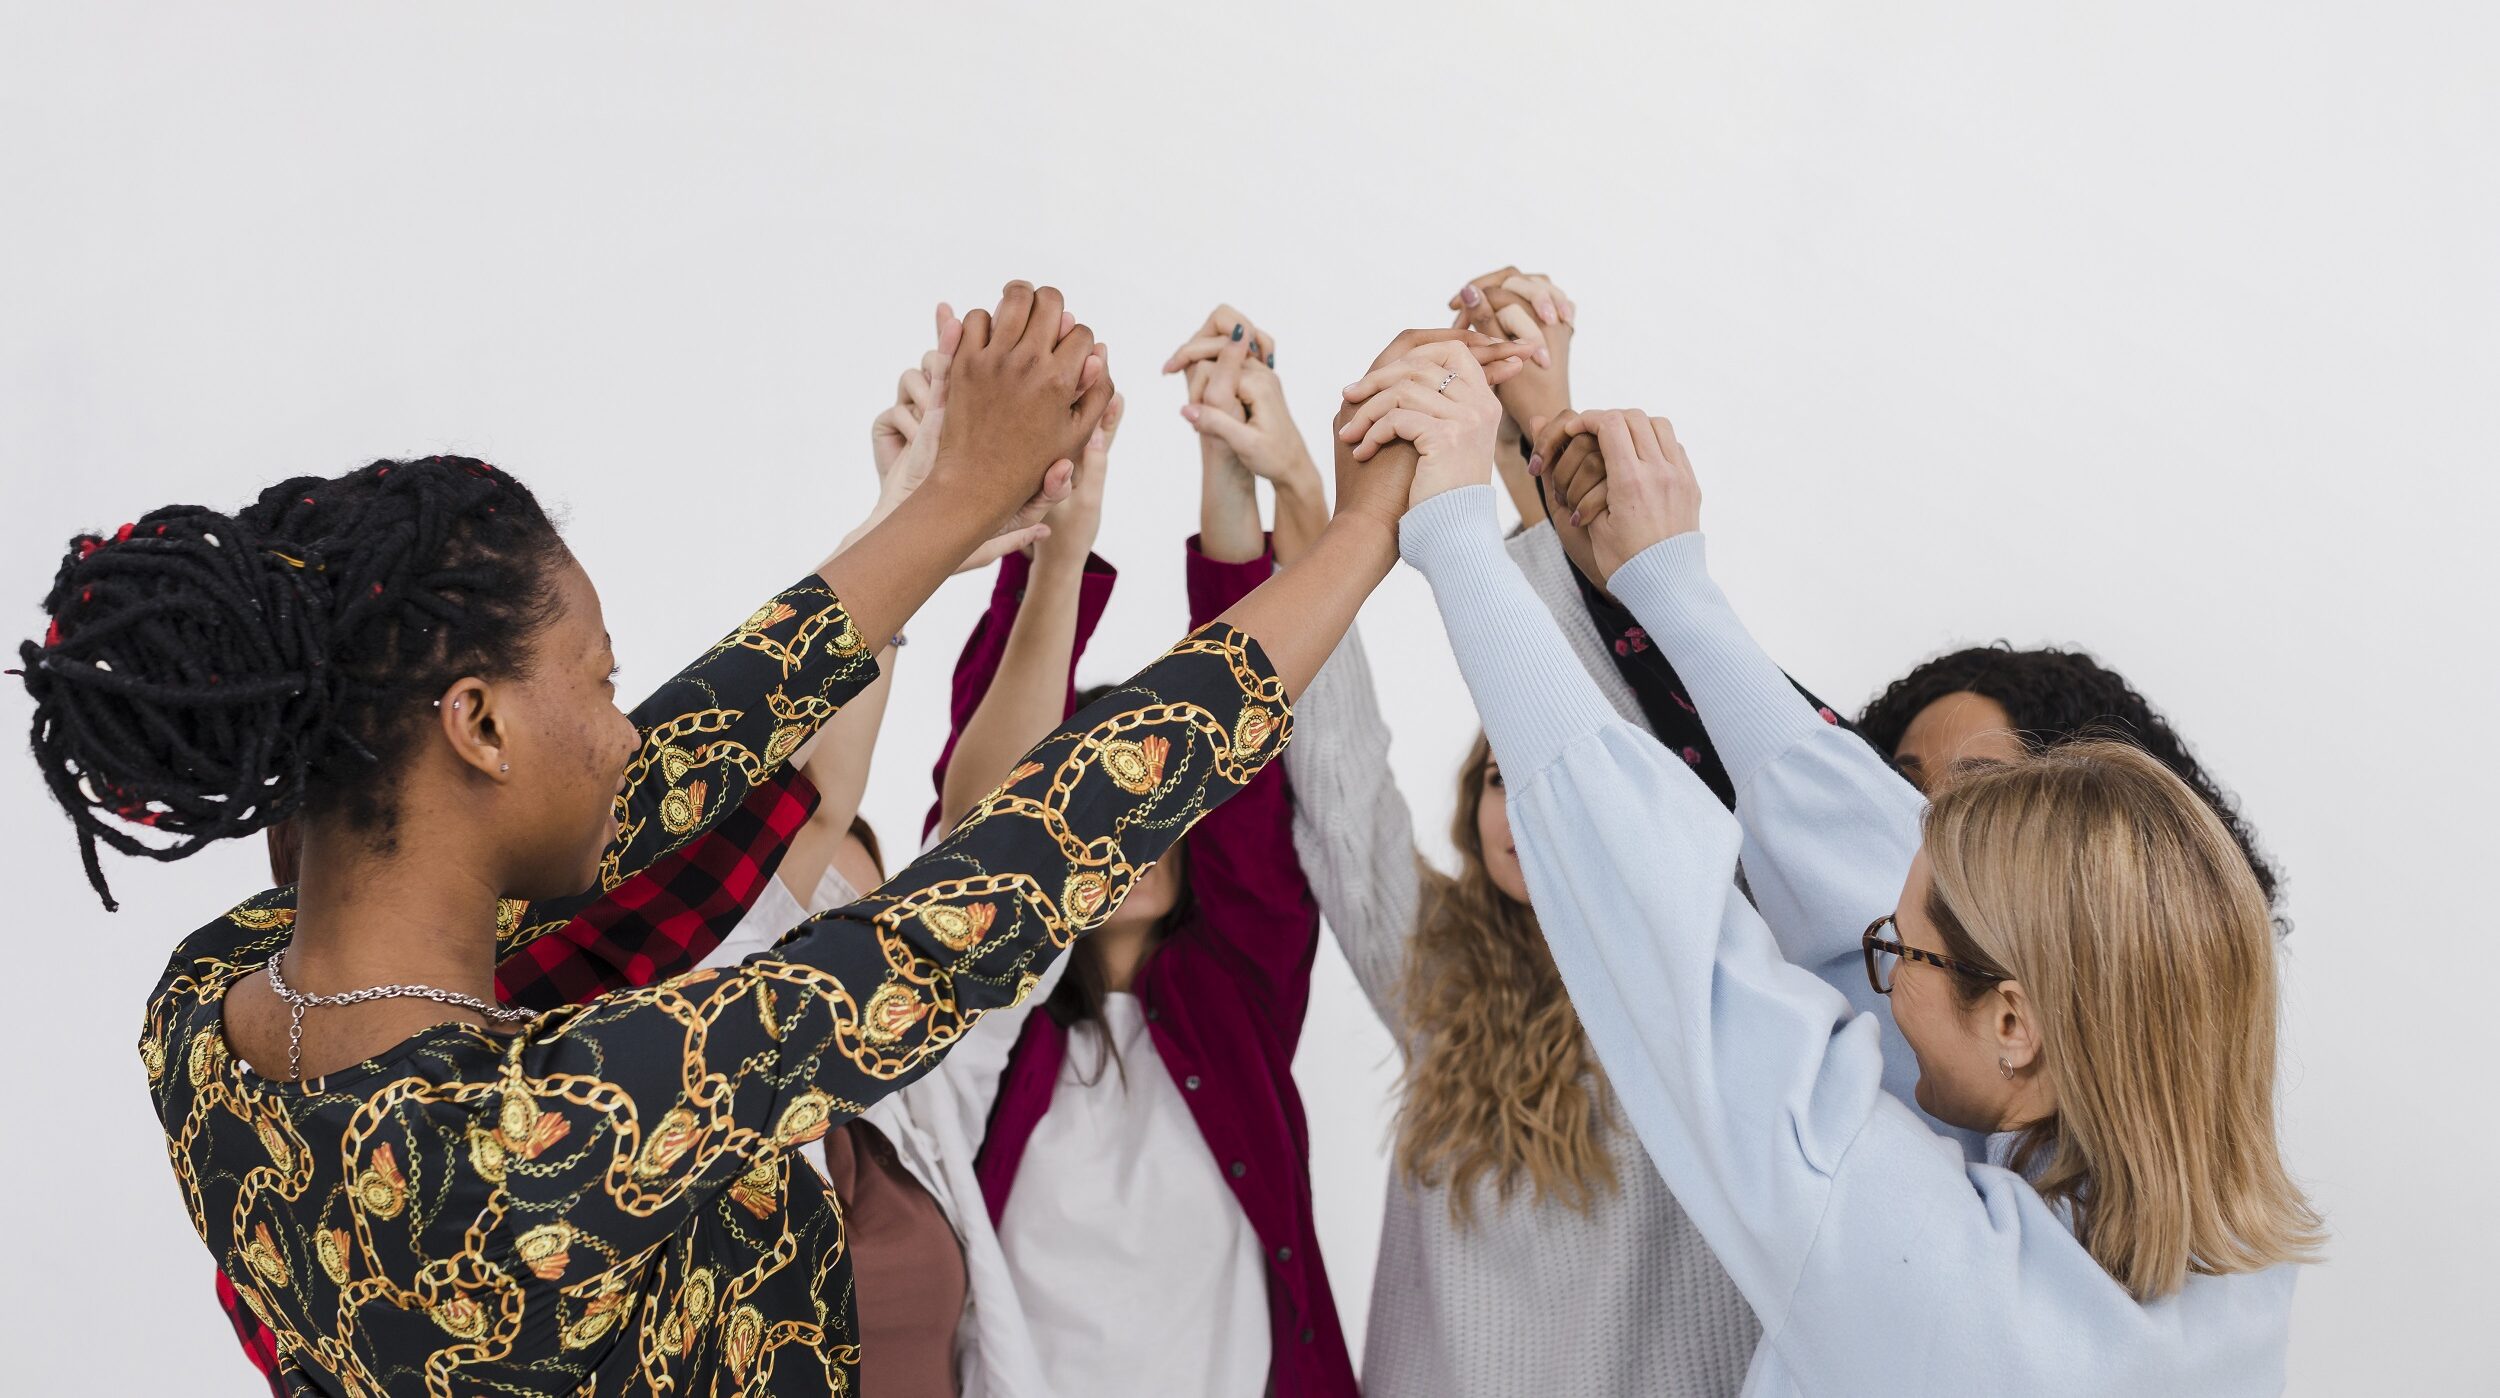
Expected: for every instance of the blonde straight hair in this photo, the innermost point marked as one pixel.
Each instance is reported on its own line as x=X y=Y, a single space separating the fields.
x=1501 y=1084
x=2097 y=879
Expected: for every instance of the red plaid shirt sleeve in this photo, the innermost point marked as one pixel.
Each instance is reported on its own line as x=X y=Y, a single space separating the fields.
x=667 y=918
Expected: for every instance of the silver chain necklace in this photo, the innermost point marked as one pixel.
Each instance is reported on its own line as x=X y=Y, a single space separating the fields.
x=299 y=1002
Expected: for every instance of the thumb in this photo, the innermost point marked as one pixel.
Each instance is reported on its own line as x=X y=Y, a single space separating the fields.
x=950 y=337
x=1100 y=443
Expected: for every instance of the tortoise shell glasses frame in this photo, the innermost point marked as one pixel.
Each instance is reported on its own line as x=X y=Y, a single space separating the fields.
x=1878 y=972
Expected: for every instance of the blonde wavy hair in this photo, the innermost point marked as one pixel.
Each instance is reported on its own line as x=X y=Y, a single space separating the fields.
x=2097 y=879
x=1500 y=1082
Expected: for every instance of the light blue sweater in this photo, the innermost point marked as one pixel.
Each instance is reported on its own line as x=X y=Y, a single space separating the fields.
x=1759 y=1069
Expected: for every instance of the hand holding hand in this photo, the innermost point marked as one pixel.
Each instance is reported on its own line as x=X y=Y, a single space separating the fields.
x=1527 y=310
x=1223 y=326
x=1024 y=392
x=1435 y=396
x=1625 y=477
x=910 y=427
x=1238 y=403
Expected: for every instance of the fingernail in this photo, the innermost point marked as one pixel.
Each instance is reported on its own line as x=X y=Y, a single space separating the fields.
x=1189 y=411
x=1271 y=359
x=1348 y=390
x=1546 y=310
x=1536 y=465
x=1575 y=519
x=1236 y=332
x=1469 y=295
x=1096 y=443
x=1543 y=356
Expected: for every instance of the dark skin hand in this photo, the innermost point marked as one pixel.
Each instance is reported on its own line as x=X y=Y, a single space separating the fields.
x=511 y=790
x=1567 y=440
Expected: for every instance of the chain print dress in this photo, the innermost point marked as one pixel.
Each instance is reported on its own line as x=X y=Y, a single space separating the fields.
x=608 y=1201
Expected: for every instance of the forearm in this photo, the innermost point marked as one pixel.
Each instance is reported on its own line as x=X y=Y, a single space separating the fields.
x=838 y=759
x=1510 y=463
x=1299 y=615
x=1352 y=832
x=1228 y=510
x=1027 y=697
x=1830 y=829
x=1301 y=514
x=886 y=573
x=837 y=762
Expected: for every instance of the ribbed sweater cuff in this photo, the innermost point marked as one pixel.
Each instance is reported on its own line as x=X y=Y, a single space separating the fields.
x=1530 y=691
x=1751 y=710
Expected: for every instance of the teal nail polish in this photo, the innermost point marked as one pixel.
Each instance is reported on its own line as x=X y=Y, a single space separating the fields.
x=1236 y=332
x=1271 y=359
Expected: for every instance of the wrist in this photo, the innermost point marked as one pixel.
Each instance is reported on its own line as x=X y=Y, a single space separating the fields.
x=1298 y=484
x=1524 y=403
x=1062 y=555
x=1362 y=532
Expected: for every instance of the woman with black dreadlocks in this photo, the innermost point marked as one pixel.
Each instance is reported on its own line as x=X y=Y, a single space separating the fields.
x=418 y=1189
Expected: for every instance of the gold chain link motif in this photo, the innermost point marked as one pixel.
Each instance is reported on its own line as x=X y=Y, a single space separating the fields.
x=604 y=1203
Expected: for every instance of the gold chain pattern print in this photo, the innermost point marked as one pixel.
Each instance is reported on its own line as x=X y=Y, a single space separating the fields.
x=608 y=1203
x=706 y=740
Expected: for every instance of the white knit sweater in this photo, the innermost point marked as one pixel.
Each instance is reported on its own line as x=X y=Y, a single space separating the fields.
x=1530 y=1297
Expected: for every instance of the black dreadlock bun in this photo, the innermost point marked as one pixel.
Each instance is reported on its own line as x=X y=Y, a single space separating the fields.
x=2056 y=696
x=207 y=675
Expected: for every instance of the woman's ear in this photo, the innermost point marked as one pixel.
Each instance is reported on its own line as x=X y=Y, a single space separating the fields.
x=467 y=717
x=2014 y=1023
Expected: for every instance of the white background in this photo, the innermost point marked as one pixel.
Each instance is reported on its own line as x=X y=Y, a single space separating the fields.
x=2166 y=330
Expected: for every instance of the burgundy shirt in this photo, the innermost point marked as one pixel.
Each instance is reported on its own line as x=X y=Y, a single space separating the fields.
x=1224 y=999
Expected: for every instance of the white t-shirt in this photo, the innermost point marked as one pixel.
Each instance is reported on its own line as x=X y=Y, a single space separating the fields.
x=1138 y=1271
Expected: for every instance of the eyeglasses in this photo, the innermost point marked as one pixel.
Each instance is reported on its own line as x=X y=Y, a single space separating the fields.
x=1879 y=971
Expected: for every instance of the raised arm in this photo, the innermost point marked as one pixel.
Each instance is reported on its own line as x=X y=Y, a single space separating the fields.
x=1352 y=832
x=1022 y=396
x=1254 y=907
x=1864 y=1242
x=1829 y=827
x=864 y=999
x=1027 y=696
x=1246 y=434
x=1527 y=310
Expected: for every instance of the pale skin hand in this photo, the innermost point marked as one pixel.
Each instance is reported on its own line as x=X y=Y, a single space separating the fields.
x=1529 y=310
x=1223 y=326
x=1245 y=431
x=1436 y=397
x=1624 y=474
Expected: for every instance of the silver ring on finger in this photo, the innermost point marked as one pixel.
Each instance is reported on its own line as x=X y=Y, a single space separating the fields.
x=1446 y=380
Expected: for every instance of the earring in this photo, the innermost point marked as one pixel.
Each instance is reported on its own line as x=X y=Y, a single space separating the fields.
x=508 y=767
x=2002 y=1066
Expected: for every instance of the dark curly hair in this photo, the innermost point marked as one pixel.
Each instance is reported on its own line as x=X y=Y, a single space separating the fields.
x=207 y=675
x=2056 y=696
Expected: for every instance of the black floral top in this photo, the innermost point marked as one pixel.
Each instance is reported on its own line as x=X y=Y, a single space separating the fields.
x=608 y=1202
